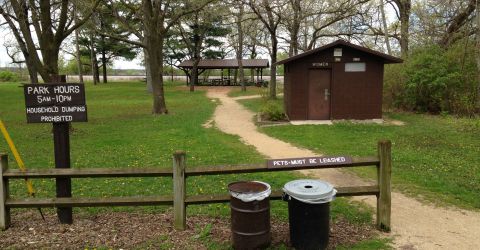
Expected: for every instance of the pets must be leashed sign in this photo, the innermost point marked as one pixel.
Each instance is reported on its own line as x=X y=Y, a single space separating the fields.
x=309 y=161
x=48 y=103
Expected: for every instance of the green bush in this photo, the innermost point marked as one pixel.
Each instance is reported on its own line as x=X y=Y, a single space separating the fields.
x=8 y=76
x=428 y=77
x=272 y=110
x=434 y=80
x=394 y=86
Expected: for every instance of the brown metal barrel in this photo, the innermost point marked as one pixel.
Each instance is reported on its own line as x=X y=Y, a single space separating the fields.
x=250 y=221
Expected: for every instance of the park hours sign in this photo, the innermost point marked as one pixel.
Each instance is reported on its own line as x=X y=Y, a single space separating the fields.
x=51 y=103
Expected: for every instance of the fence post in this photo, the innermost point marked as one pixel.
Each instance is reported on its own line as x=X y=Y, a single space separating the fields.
x=179 y=211
x=4 y=211
x=384 y=199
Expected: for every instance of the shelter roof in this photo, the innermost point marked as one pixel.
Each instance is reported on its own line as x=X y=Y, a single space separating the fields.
x=226 y=63
x=386 y=58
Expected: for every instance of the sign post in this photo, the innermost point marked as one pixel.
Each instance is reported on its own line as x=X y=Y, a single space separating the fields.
x=61 y=145
x=58 y=103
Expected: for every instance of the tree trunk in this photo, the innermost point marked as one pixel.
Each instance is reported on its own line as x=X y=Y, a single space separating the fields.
x=93 y=60
x=456 y=23
x=240 y=47
x=148 y=73
x=293 y=51
x=235 y=76
x=104 y=64
x=196 y=59
x=97 y=70
x=253 y=55
x=77 y=52
x=295 y=28
x=154 y=44
x=194 y=79
x=385 y=27
x=478 y=52
x=50 y=63
x=32 y=71
x=104 y=58
x=404 y=7
x=273 y=68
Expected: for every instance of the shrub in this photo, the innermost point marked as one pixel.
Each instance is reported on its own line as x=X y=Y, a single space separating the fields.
x=435 y=80
x=394 y=86
x=272 y=110
x=428 y=78
x=8 y=76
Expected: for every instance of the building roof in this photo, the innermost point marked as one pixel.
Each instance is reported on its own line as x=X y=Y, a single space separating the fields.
x=226 y=63
x=386 y=58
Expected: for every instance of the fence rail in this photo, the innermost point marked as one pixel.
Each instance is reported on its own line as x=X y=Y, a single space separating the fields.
x=179 y=173
x=87 y=173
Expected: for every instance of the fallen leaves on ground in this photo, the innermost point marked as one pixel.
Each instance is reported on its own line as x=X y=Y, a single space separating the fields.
x=124 y=230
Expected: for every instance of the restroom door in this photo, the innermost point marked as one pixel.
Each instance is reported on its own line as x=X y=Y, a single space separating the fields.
x=319 y=94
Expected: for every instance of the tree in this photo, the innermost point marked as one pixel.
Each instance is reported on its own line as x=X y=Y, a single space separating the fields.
x=14 y=52
x=385 y=27
x=175 y=52
x=200 y=33
x=334 y=19
x=477 y=45
x=94 y=44
x=456 y=22
x=254 y=32
x=52 y=22
x=93 y=59
x=239 y=20
x=293 y=25
x=270 y=14
x=403 y=14
x=155 y=19
x=77 y=50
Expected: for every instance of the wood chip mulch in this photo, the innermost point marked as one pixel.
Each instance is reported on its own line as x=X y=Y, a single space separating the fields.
x=124 y=230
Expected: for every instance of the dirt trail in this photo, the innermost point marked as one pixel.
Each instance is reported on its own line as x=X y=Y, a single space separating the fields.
x=414 y=225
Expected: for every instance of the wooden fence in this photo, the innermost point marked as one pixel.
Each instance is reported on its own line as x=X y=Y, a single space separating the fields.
x=179 y=173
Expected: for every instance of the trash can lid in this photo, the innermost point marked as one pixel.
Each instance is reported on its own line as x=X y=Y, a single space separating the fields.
x=247 y=187
x=306 y=189
x=248 y=191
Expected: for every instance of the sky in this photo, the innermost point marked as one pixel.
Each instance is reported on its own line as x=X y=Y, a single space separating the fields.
x=5 y=61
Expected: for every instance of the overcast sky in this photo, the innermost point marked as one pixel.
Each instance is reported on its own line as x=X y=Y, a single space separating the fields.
x=7 y=37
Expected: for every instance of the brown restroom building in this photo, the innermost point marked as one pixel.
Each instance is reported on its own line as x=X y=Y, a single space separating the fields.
x=337 y=81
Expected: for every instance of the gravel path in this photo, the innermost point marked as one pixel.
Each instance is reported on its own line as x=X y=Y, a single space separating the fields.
x=415 y=225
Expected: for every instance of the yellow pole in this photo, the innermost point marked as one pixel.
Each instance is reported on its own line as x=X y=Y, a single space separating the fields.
x=19 y=160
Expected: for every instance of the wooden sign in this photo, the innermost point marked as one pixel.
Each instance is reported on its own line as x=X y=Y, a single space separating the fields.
x=309 y=161
x=47 y=103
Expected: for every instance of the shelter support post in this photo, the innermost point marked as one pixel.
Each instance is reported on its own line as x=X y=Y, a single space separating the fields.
x=4 y=193
x=384 y=198
x=179 y=207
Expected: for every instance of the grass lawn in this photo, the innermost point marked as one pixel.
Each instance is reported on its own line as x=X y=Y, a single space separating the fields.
x=256 y=103
x=435 y=157
x=122 y=132
x=252 y=90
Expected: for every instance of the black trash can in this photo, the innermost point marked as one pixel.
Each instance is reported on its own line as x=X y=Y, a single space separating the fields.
x=309 y=213
x=250 y=214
